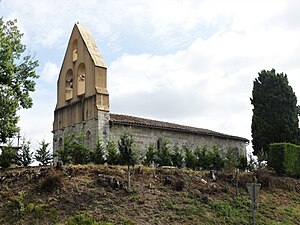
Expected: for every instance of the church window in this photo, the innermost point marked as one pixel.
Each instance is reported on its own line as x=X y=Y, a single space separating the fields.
x=81 y=79
x=69 y=85
x=158 y=144
x=60 y=144
x=88 y=139
x=75 y=50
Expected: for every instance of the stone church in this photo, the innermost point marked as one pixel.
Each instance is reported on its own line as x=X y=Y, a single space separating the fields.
x=83 y=106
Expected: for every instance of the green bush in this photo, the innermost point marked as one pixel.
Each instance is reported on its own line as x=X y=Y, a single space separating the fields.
x=97 y=155
x=284 y=158
x=201 y=154
x=82 y=219
x=242 y=162
x=164 y=157
x=113 y=155
x=292 y=160
x=151 y=154
x=80 y=153
x=24 y=154
x=43 y=154
x=276 y=157
x=190 y=158
x=177 y=157
x=7 y=157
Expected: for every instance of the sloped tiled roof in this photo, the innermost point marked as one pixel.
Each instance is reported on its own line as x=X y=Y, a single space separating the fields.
x=91 y=45
x=136 y=121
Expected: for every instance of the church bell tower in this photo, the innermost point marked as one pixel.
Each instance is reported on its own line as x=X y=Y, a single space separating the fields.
x=82 y=97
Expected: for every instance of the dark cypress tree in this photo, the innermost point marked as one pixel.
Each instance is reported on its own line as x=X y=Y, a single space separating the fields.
x=275 y=111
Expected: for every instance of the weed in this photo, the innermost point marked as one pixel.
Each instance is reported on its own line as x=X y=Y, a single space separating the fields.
x=52 y=182
x=223 y=208
x=16 y=204
x=129 y=222
x=30 y=207
x=134 y=197
x=53 y=215
x=82 y=219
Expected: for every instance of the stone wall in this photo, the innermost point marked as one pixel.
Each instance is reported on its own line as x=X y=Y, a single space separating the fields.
x=145 y=136
x=101 y=129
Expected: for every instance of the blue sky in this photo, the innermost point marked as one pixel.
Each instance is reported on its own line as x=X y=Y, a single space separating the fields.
x=191 y=62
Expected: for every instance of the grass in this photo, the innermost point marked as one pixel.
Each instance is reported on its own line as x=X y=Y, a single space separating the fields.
x=77 y=199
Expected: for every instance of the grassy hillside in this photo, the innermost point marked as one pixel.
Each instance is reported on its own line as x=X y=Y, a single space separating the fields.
x=98 y=195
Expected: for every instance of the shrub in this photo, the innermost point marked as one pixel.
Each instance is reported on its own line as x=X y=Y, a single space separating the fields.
x=164 y=157
x=129 y=153
x=97 y=155
x=113 y=156
x=42 y=154
x=80 y=153
x=65 y=151
x=242 y=162
x=190 y=158
x=24 y=154
x=215 y=160
x=7 y=157
x=292 y=160
x=15 y=207
x=177 y=157
x=151 y=154
x=82 y=219
x=231 y=159
x=284 y=158
x=201 y=154
x=52 y=182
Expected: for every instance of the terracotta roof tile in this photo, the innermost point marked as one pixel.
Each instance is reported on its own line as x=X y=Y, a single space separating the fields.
x=136 y=121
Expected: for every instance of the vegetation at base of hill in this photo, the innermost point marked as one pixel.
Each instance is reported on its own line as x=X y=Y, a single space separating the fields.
x=23 y=156
x=89 y=195
x=275 y=112
x=17 y=78
x=126 y=152
x=285 y=159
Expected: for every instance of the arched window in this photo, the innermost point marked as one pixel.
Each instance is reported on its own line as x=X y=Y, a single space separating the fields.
x=75 y=50
x=88 y=139
x=60 y=144
x=158 y=144
x=69 y=85
x=81 y=79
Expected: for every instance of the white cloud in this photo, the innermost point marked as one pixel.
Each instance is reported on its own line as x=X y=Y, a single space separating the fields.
x=208 y=84
x=50 y=72
x=191 y=62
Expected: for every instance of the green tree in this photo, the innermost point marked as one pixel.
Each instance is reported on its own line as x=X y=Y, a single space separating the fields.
x=275 y=111
x=8 y=156
x=177 y=157
x=164 y=156
x=190 y=158
x=214 y=158
x=64 y=153
x=151 y=154
x=98 y=153
x=43 y=154
x=17 y=78
x=128 y=154
x=25 y=155
x=201 y=154
x=80 y=153
x=113 y=156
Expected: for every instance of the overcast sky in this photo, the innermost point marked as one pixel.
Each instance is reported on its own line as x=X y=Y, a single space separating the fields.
x=191 y=62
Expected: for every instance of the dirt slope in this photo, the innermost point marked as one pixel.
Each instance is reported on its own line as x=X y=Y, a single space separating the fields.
x=98 y=195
